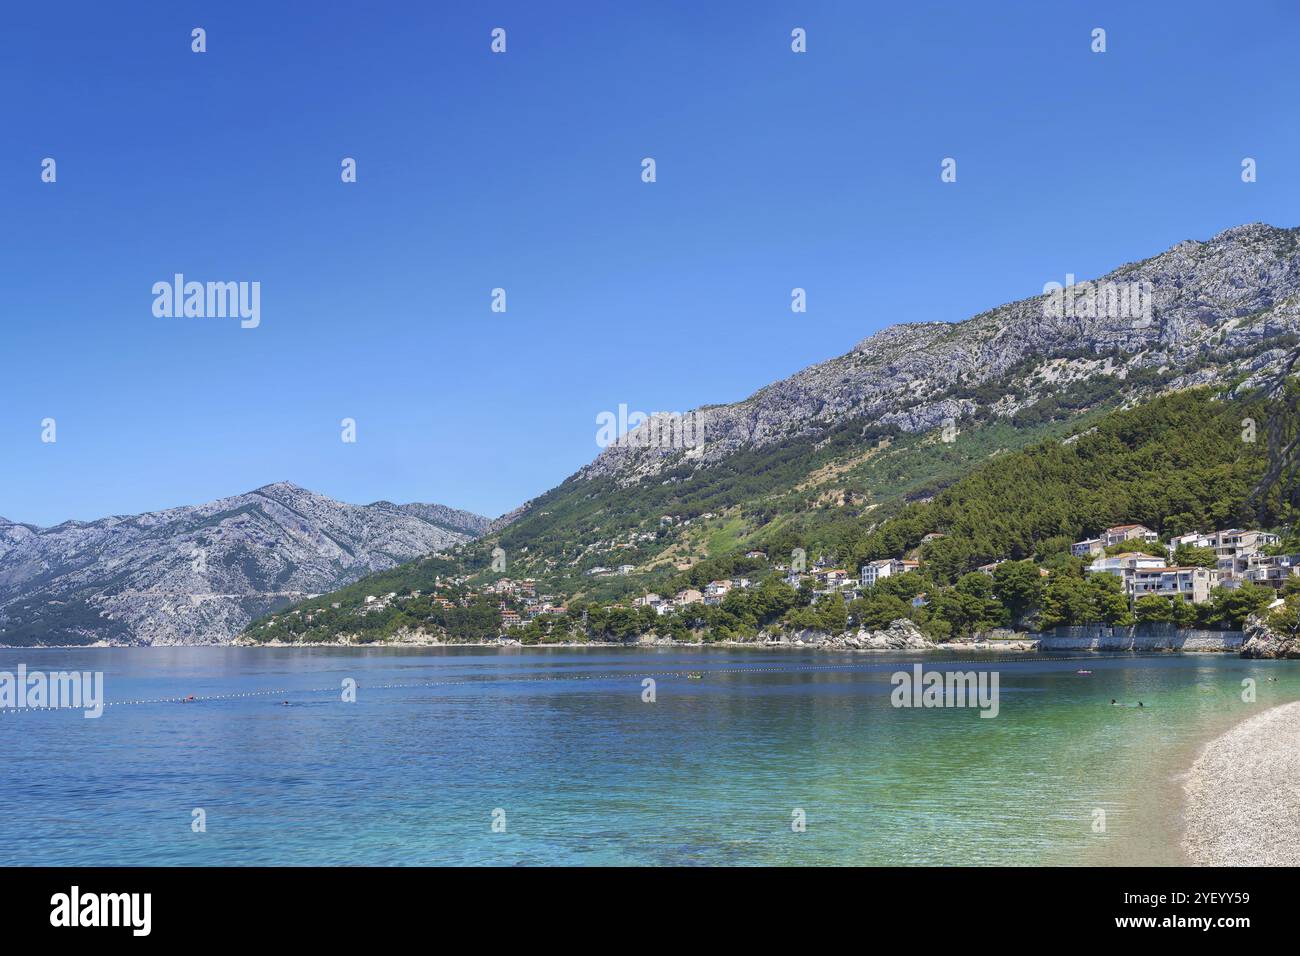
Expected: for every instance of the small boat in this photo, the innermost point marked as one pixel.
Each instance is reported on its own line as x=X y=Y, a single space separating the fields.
x=1084 y=673
x=695 y=677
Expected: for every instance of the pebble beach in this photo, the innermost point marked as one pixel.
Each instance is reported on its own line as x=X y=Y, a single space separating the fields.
x=1243 y=794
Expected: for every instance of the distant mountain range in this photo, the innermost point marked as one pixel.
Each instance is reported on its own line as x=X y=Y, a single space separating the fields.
x=201 y=573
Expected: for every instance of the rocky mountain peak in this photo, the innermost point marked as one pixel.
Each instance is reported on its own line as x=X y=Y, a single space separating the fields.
x=281 y=487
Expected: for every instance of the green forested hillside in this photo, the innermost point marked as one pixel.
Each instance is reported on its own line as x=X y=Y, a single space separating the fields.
x=1180 y=462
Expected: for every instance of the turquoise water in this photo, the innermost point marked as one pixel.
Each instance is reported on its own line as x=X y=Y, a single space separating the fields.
x=588 y=773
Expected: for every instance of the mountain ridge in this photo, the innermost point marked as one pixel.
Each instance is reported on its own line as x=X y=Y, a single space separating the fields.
x=918 y=362
x=200 y=573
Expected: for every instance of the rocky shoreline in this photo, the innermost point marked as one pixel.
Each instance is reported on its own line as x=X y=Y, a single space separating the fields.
x=1242 y=801
x=901 y=635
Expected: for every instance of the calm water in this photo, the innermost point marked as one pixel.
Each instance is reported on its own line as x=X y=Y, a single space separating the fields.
x=589 y=774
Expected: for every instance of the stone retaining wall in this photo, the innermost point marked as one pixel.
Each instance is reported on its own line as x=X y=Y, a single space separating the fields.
x=1141 y=637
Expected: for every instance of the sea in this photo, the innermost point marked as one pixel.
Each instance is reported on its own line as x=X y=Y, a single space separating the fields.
x=600 y=756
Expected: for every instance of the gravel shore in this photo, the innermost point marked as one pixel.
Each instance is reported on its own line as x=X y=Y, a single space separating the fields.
x=1243 y=794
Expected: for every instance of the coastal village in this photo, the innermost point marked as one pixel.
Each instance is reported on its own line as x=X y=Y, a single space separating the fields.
x=1239 y=556
x=1135 y=554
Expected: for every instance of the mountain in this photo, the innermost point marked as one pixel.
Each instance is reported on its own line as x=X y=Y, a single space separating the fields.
x=1218 y=309
x=819 y=459
x=201 y=573
x=801 y=462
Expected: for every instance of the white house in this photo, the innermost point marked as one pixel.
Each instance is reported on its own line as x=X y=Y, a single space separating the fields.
x=716 y=591
x=873 y=571
x=1126 y=561
x=831 y=578
x=1193 y=539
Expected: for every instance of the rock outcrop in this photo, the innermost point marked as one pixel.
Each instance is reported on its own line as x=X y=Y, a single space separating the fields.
x=901 y=635
x=1263 y=643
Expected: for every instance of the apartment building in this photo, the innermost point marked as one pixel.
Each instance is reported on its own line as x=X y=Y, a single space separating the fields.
x=1189 y=584
x=1143 y=574
x=1271 y=570
x=1232 y=548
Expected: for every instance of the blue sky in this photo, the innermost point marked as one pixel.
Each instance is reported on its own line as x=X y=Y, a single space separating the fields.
x=522 y=171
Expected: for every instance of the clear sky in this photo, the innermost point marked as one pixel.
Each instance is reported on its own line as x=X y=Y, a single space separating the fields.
x=523 y=171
